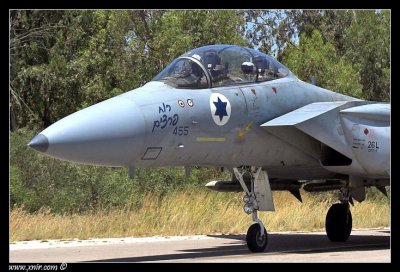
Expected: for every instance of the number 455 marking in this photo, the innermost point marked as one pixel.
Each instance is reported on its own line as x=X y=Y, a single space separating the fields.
x=181 y=131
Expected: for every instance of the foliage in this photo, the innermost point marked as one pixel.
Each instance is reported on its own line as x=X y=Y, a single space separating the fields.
x=361 y=38
x=368 y=47
x=314 y=57
x=66 y=60
x=273 y=30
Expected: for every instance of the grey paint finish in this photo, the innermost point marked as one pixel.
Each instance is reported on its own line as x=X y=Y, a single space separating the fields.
x=109 y=133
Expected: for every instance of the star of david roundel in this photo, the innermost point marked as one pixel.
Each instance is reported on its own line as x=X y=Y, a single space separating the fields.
x=220 y=109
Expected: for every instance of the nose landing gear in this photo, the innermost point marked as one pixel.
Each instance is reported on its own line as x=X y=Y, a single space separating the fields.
x=259 y=197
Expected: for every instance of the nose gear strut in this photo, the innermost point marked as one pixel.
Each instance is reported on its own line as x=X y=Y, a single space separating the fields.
x=258 y=198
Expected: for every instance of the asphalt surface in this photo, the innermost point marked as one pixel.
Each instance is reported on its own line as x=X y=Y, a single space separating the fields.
x=371 y=245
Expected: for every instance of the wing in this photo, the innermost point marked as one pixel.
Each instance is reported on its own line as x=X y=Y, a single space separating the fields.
x=353 y=136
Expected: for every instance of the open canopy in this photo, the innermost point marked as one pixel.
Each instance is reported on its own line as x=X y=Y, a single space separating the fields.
x=220 y=65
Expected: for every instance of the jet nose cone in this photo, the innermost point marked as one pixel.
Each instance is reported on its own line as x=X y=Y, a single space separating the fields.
x=110 y=133
x=39 y=143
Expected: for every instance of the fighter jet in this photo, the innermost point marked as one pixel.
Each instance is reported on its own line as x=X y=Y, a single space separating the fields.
x=240 y=109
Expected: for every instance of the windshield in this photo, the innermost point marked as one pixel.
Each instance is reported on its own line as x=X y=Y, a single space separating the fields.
x=221 y=65
x=184 y=73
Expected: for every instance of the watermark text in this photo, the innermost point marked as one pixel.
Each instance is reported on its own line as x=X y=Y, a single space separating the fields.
x=37 y=267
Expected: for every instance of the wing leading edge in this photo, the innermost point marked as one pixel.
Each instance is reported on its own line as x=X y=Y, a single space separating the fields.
x=357 y=133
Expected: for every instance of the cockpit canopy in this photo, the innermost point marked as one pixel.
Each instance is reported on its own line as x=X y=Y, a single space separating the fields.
x=220 y=65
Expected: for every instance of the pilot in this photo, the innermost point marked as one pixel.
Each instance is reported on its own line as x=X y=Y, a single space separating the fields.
x=262 y=65
x=189 y=76
x=218 y=71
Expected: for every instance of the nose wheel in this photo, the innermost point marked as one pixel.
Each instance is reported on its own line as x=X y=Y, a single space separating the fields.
x=259 y=197
x=256 y=241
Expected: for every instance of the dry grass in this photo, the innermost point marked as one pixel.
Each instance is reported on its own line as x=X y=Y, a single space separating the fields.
x=184 y=213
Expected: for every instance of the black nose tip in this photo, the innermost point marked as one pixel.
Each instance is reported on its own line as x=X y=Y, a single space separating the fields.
x=39 y=143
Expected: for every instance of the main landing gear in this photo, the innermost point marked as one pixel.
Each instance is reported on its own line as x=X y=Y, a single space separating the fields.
x=259 y=197
x=338 y=223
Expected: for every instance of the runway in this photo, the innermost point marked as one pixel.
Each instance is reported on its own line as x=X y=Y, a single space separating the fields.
x=371 y=245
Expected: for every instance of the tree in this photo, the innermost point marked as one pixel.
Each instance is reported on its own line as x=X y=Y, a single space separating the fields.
x=62 y=61
x=271 y=30
x=32 y=34
x=368 y=47
x=158 y=37
x=360 y=38
x=314 y=57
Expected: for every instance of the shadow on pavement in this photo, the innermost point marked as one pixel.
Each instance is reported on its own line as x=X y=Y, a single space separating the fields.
x=277 y=244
